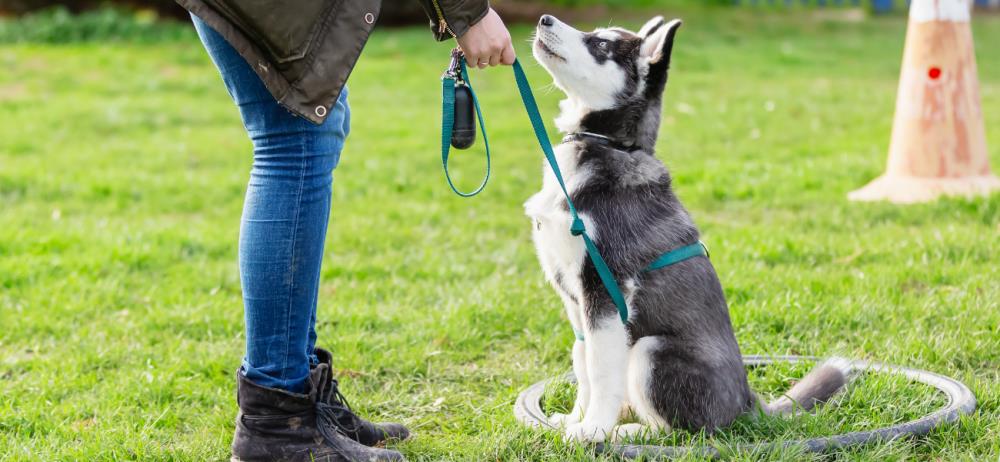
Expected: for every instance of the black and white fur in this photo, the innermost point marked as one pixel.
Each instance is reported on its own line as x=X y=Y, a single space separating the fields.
x=676 y=361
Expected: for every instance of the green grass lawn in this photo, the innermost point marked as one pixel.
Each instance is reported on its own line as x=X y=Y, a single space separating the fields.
x=122 y=170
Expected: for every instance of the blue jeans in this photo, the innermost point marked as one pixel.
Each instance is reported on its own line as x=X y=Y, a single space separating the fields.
x=284 y=223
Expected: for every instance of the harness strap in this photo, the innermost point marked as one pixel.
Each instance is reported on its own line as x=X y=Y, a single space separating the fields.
x=697 y=249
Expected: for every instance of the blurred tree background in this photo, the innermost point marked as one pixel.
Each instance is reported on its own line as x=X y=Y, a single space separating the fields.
x=393 y=11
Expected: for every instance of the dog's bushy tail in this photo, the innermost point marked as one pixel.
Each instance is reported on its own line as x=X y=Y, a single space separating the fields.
x=819 y=385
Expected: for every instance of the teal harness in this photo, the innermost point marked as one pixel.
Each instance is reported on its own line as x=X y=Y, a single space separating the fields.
x=458 y=74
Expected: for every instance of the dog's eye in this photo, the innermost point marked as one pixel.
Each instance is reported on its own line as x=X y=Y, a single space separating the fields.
x=603 y=44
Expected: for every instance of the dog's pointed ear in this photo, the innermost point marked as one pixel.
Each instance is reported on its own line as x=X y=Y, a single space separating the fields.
x=651 y=26
x=656 y=50
x=657 y=45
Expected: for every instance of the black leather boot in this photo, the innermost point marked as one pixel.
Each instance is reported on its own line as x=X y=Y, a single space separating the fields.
x=277 y=425
x=361 y=430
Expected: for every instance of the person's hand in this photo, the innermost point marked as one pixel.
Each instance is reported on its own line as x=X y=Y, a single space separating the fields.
x=487 y=42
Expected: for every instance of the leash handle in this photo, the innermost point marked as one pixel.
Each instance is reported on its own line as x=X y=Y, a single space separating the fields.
x=448 y=82
x=577 y=228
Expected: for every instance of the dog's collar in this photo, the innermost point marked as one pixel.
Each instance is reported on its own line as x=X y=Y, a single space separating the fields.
x=602 y=139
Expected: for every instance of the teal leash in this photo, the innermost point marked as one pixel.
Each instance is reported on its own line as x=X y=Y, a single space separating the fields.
x=577 y=227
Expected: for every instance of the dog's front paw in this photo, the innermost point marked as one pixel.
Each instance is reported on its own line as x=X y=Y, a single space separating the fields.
x=565 y=420
x=588 y=432
x=632 y=431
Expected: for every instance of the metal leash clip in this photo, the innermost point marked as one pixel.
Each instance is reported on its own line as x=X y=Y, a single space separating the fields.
x=454 y=70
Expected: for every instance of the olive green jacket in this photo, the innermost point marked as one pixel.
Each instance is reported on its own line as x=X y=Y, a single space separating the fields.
x=304 y=50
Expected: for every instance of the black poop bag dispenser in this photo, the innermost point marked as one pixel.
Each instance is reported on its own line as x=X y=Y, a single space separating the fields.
x=463 y=133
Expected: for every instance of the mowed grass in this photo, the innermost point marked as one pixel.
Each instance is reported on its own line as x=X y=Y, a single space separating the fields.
x=122 y=170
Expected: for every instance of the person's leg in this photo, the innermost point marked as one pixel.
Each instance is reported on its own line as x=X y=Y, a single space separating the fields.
x=345 y=129
x=282 y=233
x=284 y=221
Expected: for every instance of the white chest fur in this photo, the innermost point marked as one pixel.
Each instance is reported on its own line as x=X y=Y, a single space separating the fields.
x=560 y=253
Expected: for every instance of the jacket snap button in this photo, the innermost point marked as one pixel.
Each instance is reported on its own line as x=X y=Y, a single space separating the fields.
x=321 y=111
x=369 y=18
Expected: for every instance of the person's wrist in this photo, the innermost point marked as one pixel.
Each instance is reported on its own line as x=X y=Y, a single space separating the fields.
x=476 y=20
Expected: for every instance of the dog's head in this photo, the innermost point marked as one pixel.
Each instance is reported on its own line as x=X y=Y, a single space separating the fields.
x=609 y=69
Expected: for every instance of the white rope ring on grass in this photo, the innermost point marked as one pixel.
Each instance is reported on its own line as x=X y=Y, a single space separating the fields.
x=961 y=401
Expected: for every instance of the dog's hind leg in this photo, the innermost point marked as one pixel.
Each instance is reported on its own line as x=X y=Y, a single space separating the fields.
x=638 y=389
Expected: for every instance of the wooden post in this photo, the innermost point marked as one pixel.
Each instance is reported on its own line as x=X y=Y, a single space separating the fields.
x=938 y=141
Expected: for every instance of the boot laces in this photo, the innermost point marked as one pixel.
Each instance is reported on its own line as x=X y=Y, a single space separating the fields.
x=338 y=397
x=328 y=425
x=336 y=411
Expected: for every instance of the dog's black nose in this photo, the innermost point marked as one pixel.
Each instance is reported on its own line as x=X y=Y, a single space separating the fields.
x=547 y=20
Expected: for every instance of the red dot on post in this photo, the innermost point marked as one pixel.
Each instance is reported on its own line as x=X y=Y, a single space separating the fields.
x=934 y=73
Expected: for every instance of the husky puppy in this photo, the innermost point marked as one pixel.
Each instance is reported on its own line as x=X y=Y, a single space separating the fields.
x=676 y=361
